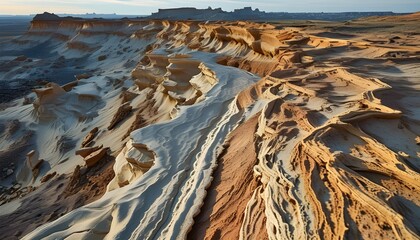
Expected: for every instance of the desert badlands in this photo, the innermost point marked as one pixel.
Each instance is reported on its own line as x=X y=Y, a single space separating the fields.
x=163 y=129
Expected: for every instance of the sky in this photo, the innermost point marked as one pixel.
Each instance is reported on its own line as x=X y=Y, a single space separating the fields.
x=145 y=7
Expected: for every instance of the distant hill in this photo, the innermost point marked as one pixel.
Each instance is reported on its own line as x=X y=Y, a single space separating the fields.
x=52 y=16
x=248 y=13
x=215 y=14
x=105 y=16
x=399 y=18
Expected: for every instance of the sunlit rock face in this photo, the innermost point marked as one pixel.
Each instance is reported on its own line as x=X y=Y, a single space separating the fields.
x=213 y=130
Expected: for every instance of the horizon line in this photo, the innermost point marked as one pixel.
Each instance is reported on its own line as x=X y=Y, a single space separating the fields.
x=93 y=13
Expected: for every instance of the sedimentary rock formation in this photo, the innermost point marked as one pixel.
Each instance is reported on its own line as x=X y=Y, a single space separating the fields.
x=95 y=156
x=208 y=130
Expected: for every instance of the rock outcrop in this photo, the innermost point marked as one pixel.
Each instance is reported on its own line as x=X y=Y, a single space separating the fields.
x=30 y=169
x=95 y=156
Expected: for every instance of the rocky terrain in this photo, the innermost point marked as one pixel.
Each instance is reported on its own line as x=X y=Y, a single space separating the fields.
x=161 y=129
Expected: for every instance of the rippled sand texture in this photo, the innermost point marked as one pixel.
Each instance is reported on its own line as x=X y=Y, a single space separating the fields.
x=233 y=130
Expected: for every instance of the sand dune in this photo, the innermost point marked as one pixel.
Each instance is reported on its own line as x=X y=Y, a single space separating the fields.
x=216 y=130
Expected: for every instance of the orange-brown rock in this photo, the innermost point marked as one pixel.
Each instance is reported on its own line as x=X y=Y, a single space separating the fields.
x=83 y=76
x=84 y=152
x=233 y=185
x=123 y=111
x=47 y=177
x=94 y=157
x=91 y=135
x=127 y=96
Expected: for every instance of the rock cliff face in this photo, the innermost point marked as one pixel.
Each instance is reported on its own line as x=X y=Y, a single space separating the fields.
x=215 y=130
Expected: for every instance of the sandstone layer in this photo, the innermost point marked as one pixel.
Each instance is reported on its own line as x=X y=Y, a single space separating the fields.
x=214 y=130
